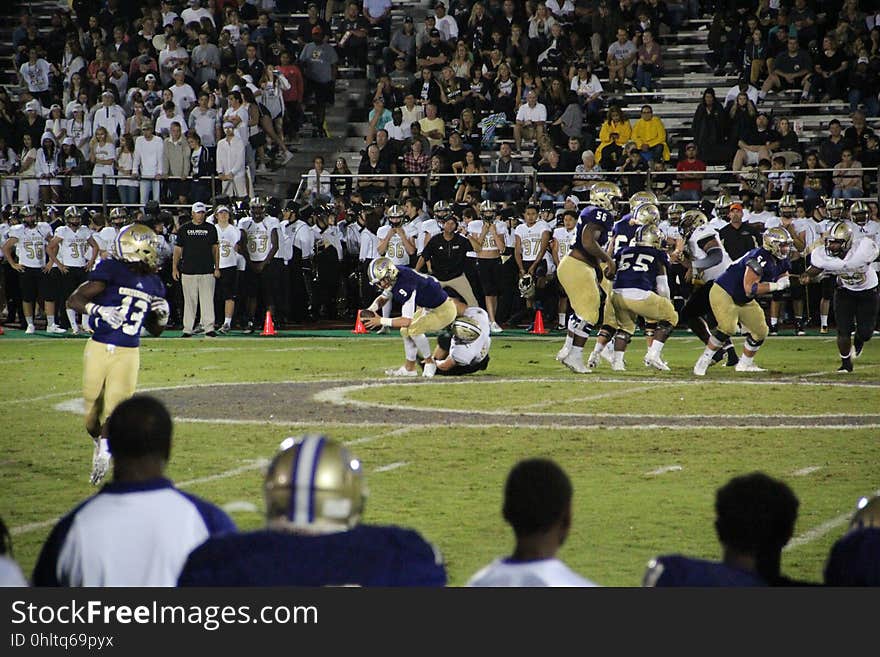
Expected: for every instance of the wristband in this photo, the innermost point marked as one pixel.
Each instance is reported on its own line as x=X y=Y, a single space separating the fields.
x=386 y=321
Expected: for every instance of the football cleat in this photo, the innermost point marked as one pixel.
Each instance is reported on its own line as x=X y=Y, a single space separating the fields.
x=430 y=370
x=702 y=365
x=401 y=371
x=249 y=328
x=617 y=365
x=74 y=330
x=575 y=364
x=223 y=330
x=732 y=358
x=657 y=363
x=743 y=366
x=845 y=366
x=823 y=330
x=31 y=329
x=562 y=353
x=593 y=360
x=100 y=465
x=55 y=330
x=495 y=328
x=607 y=352
x=857 y=351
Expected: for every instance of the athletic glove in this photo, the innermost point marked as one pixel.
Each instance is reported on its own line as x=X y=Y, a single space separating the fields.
x=160 y=307
x=782 y=284
x=112 y=315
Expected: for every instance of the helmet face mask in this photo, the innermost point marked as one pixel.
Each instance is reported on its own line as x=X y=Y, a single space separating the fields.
x=487 y=210
x=673 y=214
x=382 y=273
x=839 y=239
x=395 y=215
x=777 y=242
x=858 y=212
x=691 y=220
x=314 y=484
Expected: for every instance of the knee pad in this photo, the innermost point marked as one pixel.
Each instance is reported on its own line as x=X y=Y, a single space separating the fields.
x=622 y=335
x=579 y=327
x=718 y=338
x=606 y=332
x=650 y=327
x=752 y=344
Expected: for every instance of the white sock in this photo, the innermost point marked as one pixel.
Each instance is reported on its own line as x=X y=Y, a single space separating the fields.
x=50 y=321
x=422 y=344
x=708 y=353
x=577 y=352
x=655 y=348
x=29 y=320
x=569 y=340
x=746 y=360
x=562 y=318
x=103 y=447
x=227 y=322
x=386 y=310
x=618 y=357
x=71 y=317
x=410 y=350
x=774 y=321
x=598 y=347
x=824 y=320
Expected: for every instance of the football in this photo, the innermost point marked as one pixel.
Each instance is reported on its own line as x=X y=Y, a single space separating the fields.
x=367 y=313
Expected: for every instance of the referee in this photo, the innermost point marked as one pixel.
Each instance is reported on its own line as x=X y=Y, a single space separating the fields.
x=446 y=257
x=196 y=265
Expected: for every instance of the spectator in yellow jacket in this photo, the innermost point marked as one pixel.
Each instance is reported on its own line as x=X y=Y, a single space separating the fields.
x=650 y=136
x=615 y=130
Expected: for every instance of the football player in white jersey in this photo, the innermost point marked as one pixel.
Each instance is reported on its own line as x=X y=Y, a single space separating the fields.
x=532 y=238
x=25 y=250
x=856 y=298
x=707 y=260
x=69 y=249
x=787 y=216
x=229 y=241
x=466 y=350
x=537 y=506
x=396 y=242
x=259 y=243
x=560 y=244
x=487 y=235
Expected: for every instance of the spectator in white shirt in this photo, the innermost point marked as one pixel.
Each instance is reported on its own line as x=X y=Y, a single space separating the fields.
x=318 y=183
x=169 y=115
x=111 y=116
x=445 y=23
x=184 y=96
x=530 y=120
x=195 y=13
x=149 y=158
x=171 y=57
x=205 y=121
x=35 y=76
x=231 y=163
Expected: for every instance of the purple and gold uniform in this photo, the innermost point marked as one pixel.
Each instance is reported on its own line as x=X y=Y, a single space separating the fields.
x=636 y=287
x=422 y=300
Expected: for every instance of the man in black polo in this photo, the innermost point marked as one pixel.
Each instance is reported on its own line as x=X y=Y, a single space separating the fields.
x=445 y=255
x=196 y=265
x=736 y=237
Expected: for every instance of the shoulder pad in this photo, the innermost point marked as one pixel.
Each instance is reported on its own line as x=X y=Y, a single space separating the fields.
x=755 y=265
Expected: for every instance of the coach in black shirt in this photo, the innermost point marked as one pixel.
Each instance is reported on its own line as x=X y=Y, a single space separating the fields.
x=446 y=256
x=196 y=265
x=736 y=237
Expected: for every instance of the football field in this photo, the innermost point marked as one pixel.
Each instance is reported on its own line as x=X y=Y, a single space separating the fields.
x=645 y=450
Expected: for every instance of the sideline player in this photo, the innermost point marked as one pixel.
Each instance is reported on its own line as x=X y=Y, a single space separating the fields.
x=121 y=295
x=314 y=535
x=69 y=249
x=466 y=350
x=586 y=285
x=733 y=298
x=856 y=296
x=425 y=306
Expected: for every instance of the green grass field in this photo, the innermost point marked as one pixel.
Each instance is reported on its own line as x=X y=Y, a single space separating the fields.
x=639 y=490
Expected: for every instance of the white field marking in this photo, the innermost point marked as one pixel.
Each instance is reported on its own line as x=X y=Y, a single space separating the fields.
x=196 y=352
x=604 y=395
x=829 y=372
x=386 y=434
x=819 y=531
x=803 y=472
x=391 y=466
x=250 y=464
x=40 y=398
x=664 y=470
x=339 y=397
x=240 y=506
x=33 y=526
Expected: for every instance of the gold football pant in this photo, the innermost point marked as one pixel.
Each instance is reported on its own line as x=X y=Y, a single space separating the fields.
x=585 y=292
x=653 y=308
x=728 y=314
x=109 y=377
x=425 y=321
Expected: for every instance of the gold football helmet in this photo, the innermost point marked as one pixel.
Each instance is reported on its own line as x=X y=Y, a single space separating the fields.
x=674 y=212
x=834 y=207
x=649 y=235
x=646 y=214
x=839 y=239
x=465 y=330
x=395 y=215
x=691 y=220
x=72 y=216
x=138 y=243
x=778 y=242
x=787 y=206
x=722 y=205
x=442 y=210
x=642 y=197
x=314 y=484
x=867 y=515
x=382 y=272
x=605 y=195
x=858 y=212
x=487 y=210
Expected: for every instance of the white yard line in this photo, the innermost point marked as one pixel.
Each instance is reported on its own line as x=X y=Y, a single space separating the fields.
x=803 y=472
x=391 y=466
x=240 y=506
x=819 y=531
x=604 y=395
x=664 y=470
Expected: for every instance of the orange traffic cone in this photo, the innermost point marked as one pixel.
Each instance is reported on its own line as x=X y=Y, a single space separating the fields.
x=1 y=330
x=538 y=326
x=268 y=325
x=359 y=327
